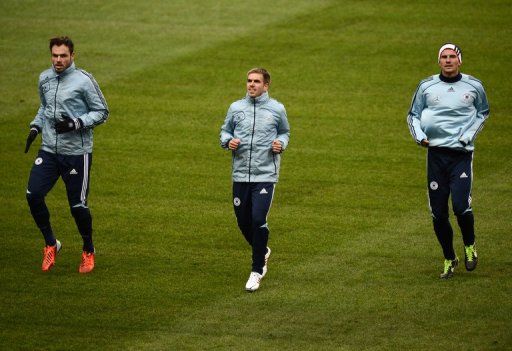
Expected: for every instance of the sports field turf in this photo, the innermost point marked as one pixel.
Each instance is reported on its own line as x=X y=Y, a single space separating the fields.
x=355 y=262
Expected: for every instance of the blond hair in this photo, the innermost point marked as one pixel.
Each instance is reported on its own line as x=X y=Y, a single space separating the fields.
x=263 y=72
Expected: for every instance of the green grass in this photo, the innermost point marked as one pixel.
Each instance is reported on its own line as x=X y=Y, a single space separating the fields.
x=355 y=262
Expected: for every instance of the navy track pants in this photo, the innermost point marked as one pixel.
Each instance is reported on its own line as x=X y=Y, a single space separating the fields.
x=252 y=202
x=450 y=173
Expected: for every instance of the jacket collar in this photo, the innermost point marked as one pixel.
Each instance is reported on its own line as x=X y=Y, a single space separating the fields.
x=450 y=79
x=263 y=98
x=66 y=71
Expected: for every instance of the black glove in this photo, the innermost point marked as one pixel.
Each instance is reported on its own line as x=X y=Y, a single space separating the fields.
x=68 y=124
x=31 y=137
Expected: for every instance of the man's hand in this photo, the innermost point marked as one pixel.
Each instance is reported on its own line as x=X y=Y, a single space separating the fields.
x=68 y=125
x=233 y=144
x=31 y=137
x=277 y=147
x=424 y=143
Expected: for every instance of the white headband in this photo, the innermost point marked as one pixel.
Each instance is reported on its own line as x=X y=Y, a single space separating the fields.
x=452 y=47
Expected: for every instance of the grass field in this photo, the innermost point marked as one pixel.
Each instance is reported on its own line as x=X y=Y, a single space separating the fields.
x=355 y=262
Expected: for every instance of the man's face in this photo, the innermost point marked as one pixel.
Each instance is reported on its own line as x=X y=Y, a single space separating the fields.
x=61 y=58
x=449 y=63
x=255 y=85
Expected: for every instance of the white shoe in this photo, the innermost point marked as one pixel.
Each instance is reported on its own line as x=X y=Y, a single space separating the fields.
x=59 y=245
x=267 y=255
x=254 y=281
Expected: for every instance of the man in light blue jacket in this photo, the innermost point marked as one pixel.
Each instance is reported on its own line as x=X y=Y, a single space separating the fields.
x=447 y=112
x=72 y=104
x=256 y=131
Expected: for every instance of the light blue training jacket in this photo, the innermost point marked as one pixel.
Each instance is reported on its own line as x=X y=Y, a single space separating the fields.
x=257 y=122
x=448 y=112
x=73 y=93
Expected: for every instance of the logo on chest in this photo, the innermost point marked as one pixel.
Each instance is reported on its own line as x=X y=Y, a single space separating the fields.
x=467 y=98
x=45 y=87
x=239 y=116
x=433 y=99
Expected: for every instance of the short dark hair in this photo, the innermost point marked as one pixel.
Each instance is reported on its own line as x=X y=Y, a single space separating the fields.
x=62 y=41
x=262 y=71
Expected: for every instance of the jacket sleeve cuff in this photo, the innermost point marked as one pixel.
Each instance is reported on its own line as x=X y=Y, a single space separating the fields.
x=420 y=138
x=465 y=140
x=284 y=143
x=36 y=128
x=225 y=144
x=78 y=123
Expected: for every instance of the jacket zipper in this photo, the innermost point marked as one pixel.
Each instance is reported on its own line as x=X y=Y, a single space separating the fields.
x=55 y=113
x=252 y=136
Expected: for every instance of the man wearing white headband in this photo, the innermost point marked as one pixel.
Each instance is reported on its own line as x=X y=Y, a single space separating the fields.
x=448 y=110
x=450 y=47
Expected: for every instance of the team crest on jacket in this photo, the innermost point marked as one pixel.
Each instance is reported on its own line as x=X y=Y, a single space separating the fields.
x=239 y=116
x=467 y=98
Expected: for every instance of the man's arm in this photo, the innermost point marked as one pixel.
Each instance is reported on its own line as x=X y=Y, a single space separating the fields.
x=98 y=108
x=37 y=123
x=96 y=104
x=32 y=134
x=482 y=108
x=227 y=129
x=418 y=104
x=38 y=119
x=283 y=132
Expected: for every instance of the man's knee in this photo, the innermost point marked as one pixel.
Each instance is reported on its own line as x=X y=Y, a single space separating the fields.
x=243 y=221
x=440 y=220
x=244 y=225
x=34 y=199
x=462 y=211
x=38 y=209
x=460 y=208
x=259 y=222
x=439 y=214
x=80 y=212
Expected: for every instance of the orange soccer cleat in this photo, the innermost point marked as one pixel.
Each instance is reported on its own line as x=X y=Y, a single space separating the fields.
x=49 y=253
x=87 y=264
